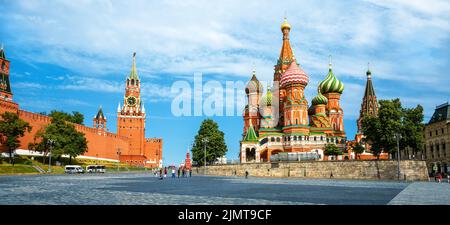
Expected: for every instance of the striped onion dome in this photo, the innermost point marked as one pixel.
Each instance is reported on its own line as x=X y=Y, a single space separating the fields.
x=267 y=98
x=254 y=85
x=331 y=84
x=294 y=74
x=319 y=99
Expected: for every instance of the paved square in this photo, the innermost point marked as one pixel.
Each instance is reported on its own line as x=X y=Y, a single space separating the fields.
x=142 y=188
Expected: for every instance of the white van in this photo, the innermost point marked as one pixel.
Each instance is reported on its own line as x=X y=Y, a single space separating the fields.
x=73 y=169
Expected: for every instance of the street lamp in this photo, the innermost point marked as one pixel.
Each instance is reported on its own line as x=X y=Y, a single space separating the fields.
x=118 y=158
x=205 y=140
x=398 y=136
x=50 y=143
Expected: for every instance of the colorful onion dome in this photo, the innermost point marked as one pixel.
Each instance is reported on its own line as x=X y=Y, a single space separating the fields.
x=254 y=85
x=267 y=98
x=285 y=25
x=331 y=84
x=294 y=74
x=319 y=99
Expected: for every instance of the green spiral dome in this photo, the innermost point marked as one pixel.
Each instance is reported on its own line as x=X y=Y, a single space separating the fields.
x=267 y=98
x=319 y=99
x=331 y=84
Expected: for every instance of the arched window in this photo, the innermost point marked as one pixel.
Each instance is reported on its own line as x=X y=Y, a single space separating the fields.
x=272 y=139
x=295 y=138
x=278 y=139
x=315 y=138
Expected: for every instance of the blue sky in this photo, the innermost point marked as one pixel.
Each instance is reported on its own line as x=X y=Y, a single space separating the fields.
x=75 y=55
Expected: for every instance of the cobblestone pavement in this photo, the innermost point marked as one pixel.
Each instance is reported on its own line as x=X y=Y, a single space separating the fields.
x=424 y=193
x=139 y=188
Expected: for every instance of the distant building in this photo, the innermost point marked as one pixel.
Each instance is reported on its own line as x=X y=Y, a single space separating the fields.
x=437 y=140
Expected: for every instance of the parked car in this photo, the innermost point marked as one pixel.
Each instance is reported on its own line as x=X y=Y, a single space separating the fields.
x=73 y=169
x=95 y=169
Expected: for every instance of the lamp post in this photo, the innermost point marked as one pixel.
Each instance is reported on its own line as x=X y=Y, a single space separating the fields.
x=205 y=140
x=50 y=143
x=398 y=136
x=118 y=158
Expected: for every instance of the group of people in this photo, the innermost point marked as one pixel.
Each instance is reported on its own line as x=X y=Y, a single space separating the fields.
x=438 y=177
x=182 y=171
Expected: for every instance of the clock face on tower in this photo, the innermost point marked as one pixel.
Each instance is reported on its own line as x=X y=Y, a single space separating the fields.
x=131 y=101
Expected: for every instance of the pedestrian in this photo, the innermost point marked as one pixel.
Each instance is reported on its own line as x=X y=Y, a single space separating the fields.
x=161 y=174
x=448 y=178
x=439 y=177
x=179 y=171
x=165 y=171
x=246 y=174
x=331 y=175
x=190 y=172
x=173 y=172
x=184 y=171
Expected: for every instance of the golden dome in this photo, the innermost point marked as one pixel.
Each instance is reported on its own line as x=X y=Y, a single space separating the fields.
x=285 y=25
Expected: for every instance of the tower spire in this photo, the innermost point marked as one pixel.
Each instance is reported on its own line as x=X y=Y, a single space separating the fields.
x=133 y=73
x=329 y=62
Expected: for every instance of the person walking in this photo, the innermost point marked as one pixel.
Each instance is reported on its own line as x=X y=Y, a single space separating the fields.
x=173 y=172
x=184 y=172
x=165 y=171
x=439 y=177
x=448 y=178
x=246 y=174
x=161 y=173
x=179 y=171
x=190 y=172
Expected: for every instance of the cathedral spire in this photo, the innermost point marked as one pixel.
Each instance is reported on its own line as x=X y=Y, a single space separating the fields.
x=369 y=105
x=329 y=63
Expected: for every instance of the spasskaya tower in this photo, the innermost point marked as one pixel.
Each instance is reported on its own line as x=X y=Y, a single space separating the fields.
x=131 y=116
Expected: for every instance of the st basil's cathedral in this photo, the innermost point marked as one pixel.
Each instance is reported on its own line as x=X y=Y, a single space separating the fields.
x=292 y=125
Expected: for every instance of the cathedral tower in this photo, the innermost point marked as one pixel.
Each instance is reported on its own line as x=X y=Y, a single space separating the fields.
x=254 y=90
x=332 y=89
x=284 y=61
x=294 y=81
x=131 y=116
x=369 y=105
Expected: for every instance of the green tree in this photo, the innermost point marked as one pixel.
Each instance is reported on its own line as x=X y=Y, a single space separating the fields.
x=332 y=149
x=392 y=118
x=412 y=132
x=67 y=140
x=215 y=147
x=75 y=117
x=358 y=149
x=12 y=127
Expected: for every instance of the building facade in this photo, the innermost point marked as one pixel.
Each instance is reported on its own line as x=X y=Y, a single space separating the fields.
x=129 y=145
x=282 y=120
x=437 y=140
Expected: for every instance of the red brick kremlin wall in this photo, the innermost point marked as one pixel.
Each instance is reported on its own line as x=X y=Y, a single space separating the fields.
x=100 y=144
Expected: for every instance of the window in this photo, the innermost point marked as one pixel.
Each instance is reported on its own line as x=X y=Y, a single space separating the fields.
x=436 y=132
x=430 y=133
x=442 y=130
